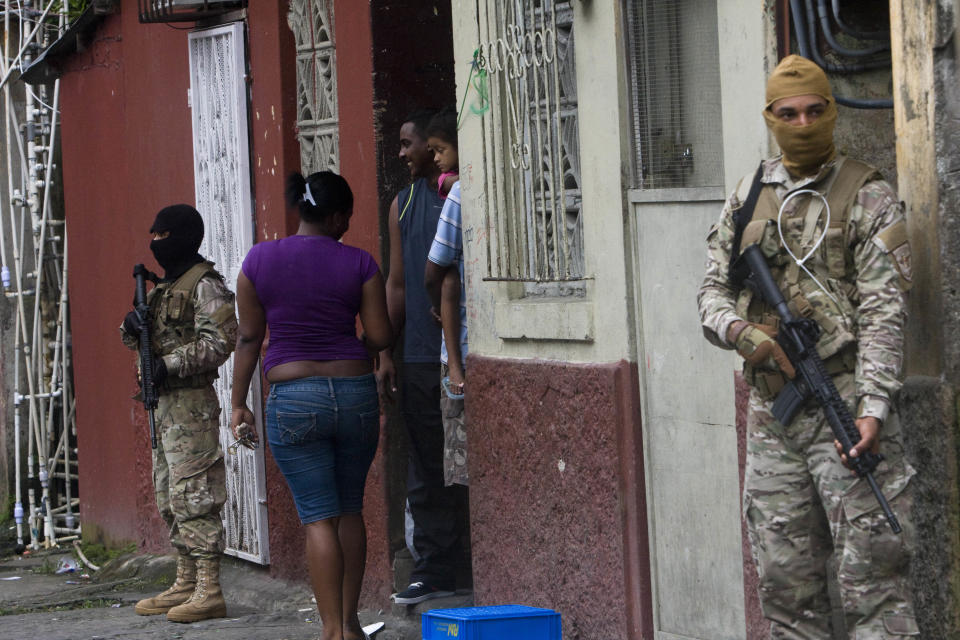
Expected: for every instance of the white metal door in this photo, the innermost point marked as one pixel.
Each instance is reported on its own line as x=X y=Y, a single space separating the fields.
x=223 y=192
x=690 y=441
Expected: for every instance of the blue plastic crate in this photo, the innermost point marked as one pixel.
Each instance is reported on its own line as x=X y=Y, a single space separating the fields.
x=502 y=622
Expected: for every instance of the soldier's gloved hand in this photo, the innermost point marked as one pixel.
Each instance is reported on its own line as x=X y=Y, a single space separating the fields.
x=132 y=324
x=159 y=371
x=757 y=346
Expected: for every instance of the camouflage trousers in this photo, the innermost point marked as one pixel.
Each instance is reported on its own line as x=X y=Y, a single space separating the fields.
x=802 y=506
x=454 y=437
x=188 y=474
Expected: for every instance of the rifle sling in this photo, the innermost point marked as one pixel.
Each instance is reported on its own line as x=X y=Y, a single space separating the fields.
x=741 y=218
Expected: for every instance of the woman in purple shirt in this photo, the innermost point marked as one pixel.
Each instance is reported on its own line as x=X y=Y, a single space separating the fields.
x=322 y=415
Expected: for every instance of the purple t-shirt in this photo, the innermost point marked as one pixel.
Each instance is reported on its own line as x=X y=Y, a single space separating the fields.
x=310 y=288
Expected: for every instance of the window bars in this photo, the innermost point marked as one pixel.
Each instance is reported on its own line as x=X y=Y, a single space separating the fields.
x=532 y=143
x=675 y=77
x=317 y=114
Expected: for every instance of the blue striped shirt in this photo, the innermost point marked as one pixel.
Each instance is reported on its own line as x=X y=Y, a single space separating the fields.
x=447 y=249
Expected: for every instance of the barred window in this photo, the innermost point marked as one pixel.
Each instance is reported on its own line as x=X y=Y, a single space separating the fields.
x=532 y=145
x=317 y=115
x=675 y=78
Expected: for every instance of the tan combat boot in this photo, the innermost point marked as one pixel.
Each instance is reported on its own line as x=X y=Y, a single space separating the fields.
x=178 y=593
x=207 y=599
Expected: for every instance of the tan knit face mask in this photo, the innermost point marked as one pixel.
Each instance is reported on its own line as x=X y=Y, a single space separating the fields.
x=805 y=148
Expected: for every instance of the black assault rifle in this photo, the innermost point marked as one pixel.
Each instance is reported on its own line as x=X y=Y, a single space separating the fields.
x=148 y=387
x=798 y=337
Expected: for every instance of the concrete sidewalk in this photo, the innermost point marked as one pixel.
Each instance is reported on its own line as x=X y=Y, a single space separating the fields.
x=38 y=604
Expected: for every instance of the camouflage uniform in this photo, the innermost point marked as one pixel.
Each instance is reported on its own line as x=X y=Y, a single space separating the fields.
x=800 y=503
x=194 y=334
x=454 y=437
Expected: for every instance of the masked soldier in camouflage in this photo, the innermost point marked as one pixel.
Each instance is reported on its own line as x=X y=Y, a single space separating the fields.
x=194 y=329
x=800 y=502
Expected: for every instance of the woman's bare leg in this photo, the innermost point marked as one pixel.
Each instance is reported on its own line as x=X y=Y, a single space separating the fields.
x=353 y=543
x=325 y=559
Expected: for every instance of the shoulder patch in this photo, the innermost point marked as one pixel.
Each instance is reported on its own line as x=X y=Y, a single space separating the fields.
x=893 y=240
x=892 y=237
x=222 y=315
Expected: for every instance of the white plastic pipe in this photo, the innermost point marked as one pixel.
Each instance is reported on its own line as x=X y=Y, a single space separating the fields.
x=42 y=362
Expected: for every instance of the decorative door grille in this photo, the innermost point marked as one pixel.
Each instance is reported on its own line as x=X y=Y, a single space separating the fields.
x=221 y=161
x=532 y=141
x=317 y=115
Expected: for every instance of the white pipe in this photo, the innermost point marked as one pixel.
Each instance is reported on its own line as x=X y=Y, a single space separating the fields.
x=45 y=218
x=41 y=341
x=25 y=41
x=24 y=351
x=34 y=371
x=47 y=387
x=4 y=268
x=65 y=377
x=83 y=558
x=18 y=489
x=59 y=511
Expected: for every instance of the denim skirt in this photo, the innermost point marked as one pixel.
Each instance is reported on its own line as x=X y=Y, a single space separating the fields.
x=323 y=433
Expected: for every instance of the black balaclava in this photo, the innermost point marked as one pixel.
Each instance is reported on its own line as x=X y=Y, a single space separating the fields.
x=177 y=252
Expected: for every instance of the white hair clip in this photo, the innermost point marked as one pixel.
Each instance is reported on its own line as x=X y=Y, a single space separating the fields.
x=308 y=197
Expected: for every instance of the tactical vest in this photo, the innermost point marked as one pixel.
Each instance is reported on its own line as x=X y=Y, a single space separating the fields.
x=831 y=264
x=171 y=307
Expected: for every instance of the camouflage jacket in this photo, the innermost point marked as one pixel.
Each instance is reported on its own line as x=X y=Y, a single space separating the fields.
x=870 y=297
x=213 y=335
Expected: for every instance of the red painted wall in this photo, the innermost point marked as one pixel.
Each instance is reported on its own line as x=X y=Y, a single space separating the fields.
x=556 y=471
x=126 y=146
x=127 y=152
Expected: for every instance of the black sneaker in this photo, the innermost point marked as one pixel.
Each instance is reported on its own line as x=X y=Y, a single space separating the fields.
x=418 y=592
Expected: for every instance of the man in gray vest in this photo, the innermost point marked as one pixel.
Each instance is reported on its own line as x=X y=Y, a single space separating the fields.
x=435 y=509
x=193 y=332
x=801 y=503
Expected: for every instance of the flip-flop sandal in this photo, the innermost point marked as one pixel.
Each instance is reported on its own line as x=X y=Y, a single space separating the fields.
x=449 y=389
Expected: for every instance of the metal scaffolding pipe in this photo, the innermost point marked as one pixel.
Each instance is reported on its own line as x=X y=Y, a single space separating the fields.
x=42 y=363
